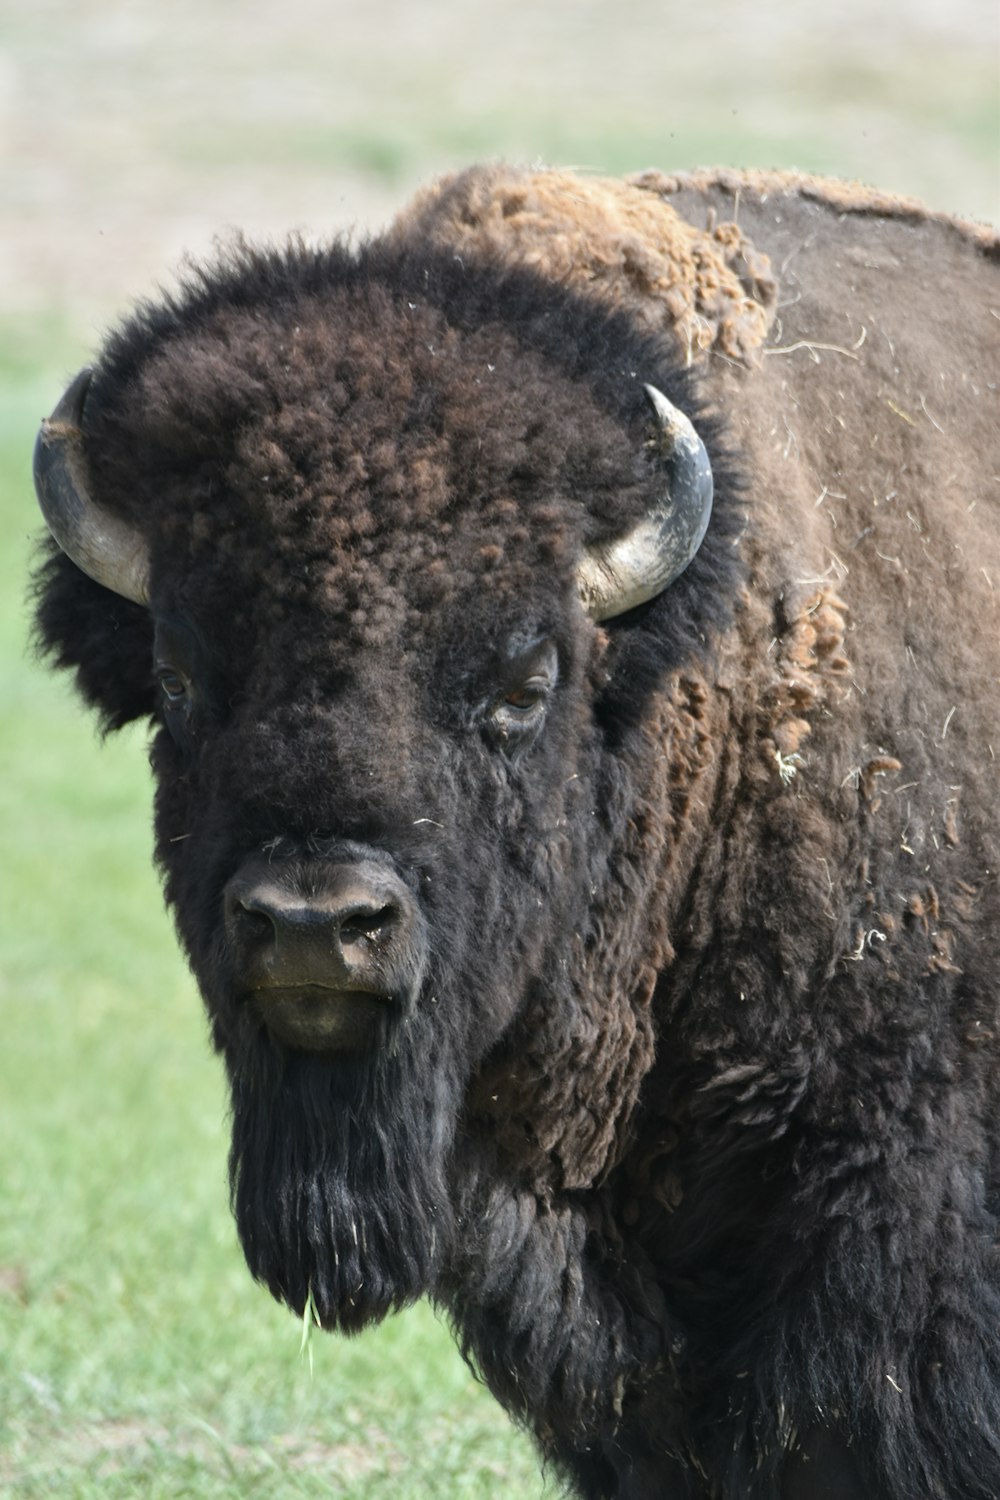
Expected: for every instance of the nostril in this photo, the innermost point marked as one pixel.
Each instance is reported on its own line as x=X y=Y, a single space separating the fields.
x=255 y=922
x=367 y=923
x=251 y=918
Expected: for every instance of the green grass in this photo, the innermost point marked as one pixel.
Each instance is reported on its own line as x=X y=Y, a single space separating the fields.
x=136 y=1355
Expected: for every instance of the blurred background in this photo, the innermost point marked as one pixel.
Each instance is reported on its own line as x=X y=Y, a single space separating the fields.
x=136 y=1356
x=135 y=131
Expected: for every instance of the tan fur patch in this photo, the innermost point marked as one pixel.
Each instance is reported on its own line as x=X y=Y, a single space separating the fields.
x=809 y=667
x=710 y=288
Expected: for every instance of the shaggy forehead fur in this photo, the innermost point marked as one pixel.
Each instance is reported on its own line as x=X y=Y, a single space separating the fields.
x=365 y=435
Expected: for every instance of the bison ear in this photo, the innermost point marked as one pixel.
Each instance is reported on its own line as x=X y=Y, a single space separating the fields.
x=105 y=640
x=105 y=547
x=618 y=575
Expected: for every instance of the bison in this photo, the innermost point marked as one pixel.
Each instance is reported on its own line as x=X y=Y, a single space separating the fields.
x=569 y=628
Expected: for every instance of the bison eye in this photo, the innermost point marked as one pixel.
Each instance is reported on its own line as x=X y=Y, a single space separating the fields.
x=516 y=717
x=526 y=697
x=178 y=671
x=178 y=706
x=173 y=686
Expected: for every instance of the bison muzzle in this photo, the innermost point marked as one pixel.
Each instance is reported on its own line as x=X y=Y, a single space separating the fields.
x=325 y=951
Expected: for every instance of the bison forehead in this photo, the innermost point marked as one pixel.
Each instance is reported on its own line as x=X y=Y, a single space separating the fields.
x=373 y=479
x=370 y=412
x=352 y=449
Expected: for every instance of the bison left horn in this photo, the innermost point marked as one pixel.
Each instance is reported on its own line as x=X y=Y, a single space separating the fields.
x=105 y=547
x=617 y=575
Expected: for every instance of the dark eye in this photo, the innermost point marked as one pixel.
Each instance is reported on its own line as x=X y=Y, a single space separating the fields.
x=527 y=696
x=173 y=686
x=516 y=717
x=178 y=712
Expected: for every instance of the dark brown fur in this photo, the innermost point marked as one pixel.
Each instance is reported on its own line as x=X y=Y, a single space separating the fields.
x=693 y=1128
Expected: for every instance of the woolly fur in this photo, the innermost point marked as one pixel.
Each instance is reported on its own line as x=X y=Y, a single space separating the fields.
x=685 y=1113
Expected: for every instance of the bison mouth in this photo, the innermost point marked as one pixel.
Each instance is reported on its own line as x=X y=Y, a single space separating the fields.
x=323 y=1018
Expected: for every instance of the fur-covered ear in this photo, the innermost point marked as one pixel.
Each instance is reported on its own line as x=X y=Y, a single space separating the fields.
x=106 y=640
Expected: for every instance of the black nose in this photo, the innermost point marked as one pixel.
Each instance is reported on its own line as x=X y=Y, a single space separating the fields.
x=344 y=927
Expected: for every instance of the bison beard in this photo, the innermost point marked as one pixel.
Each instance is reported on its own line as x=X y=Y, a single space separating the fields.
x=351 y=1191
x=338 y=1171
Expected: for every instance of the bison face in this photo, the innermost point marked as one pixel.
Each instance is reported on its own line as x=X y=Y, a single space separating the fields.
x=400 y=841
x=401 y=771
x=380 y=852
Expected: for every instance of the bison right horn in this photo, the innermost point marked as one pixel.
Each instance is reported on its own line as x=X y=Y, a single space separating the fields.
x=617 y=575
x=105 y=547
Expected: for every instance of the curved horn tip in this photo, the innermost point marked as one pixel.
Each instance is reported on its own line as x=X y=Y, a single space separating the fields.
x=616 y=576
x=673 y=422
x=101 y=544
x=664 y=408
x=68 y=411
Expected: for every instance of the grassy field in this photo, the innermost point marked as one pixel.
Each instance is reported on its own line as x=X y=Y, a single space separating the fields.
x=136 y=1356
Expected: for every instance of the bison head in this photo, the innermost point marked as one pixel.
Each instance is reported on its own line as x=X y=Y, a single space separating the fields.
x=351 y=520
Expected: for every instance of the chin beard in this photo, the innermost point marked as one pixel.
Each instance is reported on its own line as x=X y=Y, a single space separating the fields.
x=338 y=1175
